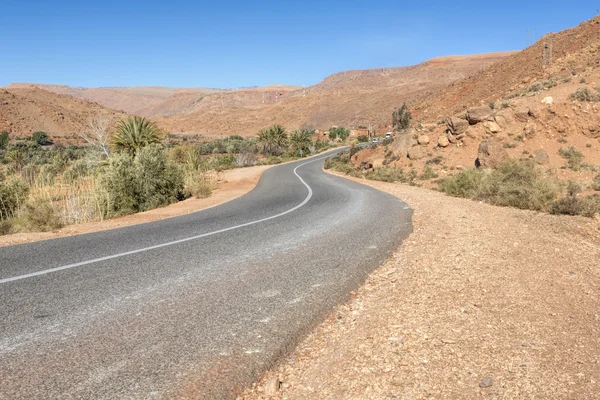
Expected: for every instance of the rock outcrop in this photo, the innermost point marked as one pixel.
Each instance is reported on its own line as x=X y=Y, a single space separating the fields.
x=491 y=154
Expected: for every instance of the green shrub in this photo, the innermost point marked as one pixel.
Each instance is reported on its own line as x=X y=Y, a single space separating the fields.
x=338 y=132
x=117 y=187
x=436 y=160
x=466 y=184
x=140 y=183
x=199 y=184
x=387 y=174
x=4 y=140
x=516 y=183
x=596 y=183
x=519 y=184
x=41 y=138
x=13 y=194
x=362 y=139
x=39 y=216
x=5 y=226
x=159 y=182
x=584 y=94
x=428 y=173
x=572 y=205
x=573 y=156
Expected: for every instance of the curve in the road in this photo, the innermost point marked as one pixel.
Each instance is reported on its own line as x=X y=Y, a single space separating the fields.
x=158 y=246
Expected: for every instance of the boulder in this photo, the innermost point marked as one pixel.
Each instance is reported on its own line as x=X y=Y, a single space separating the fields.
x=548 y=100
x=423 y=140
x=541 y=157
x=491 y=127
x=504 y=118
x=443 y=141
x=491 y=154
x=457 y=125
x=475 y=131
x=402 y=143
x=523 y=113
x=416 y=153
x=476 y=115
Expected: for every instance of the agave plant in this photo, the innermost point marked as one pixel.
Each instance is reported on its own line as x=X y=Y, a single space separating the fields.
x=134 y=133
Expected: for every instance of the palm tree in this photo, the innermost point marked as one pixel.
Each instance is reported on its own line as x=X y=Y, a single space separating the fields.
x=273 y=140
x=134 y=133
x=300 y=141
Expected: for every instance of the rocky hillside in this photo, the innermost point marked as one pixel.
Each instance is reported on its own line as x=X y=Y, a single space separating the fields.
x=350 y=98
x=26 y=110
x=514 y=108
x=574 y=51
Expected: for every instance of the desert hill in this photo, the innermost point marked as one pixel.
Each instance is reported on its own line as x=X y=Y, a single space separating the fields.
x=519 y=71
x=350 y=98
x=26 y=110
x=132 y=100
x=515 y=108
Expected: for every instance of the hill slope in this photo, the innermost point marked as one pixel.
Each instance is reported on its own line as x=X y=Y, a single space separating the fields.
x=349 y=98
x=132 y=100
x=26 y=110
x=518 y=71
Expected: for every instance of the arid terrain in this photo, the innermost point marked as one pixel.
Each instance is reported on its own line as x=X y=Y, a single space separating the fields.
x=479 y=302
x=351 y=98
x=30 y=109
x=526 y=110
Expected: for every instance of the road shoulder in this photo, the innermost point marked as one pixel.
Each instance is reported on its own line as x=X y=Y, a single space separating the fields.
x=478 y=301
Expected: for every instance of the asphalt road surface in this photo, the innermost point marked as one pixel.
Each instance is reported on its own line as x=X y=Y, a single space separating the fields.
x=195 y=306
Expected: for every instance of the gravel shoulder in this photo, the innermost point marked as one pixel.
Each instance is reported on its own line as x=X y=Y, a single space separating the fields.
x=231 y=184
x=480 y=301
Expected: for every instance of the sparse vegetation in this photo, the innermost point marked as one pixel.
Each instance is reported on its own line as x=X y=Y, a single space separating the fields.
x=436 y=160
x=585 y=94
x=514 y=184
x=596 y=183
x=520 y=184
x=573 y=156
x=428 y=173
x=388 y=174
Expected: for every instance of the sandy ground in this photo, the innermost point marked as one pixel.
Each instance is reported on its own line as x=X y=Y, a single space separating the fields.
x=479 y=302
x=231 y=184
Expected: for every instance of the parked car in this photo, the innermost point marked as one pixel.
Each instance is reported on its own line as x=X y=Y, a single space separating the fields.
x=375 y=140
x=387 y=135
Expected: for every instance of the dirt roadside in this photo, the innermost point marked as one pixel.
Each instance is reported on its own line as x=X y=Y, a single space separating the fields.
x=231 y=184
x=479 y=302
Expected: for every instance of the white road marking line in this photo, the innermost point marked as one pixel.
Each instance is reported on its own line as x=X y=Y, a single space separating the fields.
x=158 y=246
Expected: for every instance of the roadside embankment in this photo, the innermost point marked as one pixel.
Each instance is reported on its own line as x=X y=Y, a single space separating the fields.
x=480 y=301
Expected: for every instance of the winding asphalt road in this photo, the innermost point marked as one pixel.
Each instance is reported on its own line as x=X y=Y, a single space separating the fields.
x=195 y=306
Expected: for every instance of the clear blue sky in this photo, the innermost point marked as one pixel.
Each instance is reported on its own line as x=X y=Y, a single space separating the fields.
x=233 y=43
